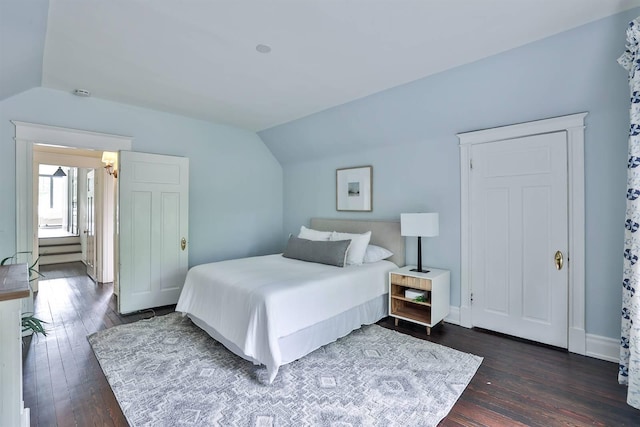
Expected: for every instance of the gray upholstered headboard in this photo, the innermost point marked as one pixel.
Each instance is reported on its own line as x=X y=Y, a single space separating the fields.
x=383 y=233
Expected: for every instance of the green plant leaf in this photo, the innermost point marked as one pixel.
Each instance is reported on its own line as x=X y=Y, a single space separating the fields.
x=32 y=323
x=31 y=268
x=29 y=321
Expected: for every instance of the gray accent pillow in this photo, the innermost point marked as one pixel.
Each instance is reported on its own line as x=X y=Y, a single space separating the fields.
x=320 y=251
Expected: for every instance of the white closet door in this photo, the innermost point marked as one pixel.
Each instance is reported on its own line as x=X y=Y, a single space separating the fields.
x=519 y=220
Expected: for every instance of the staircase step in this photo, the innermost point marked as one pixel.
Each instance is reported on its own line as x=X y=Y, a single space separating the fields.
x=59 y=249
x=60 y=258
x=54 y=241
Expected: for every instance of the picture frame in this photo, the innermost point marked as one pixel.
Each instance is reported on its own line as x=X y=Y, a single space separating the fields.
x=354 y=189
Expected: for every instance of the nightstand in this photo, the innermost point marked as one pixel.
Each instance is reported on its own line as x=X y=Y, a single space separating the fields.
x=405 y=285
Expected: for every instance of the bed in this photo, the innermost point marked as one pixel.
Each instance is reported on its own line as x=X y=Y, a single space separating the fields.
x=272 y=310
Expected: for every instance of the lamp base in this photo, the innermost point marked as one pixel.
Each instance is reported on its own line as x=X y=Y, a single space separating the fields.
x=420 y=271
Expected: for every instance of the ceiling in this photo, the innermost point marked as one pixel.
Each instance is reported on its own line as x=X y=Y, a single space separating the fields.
x=198 y=57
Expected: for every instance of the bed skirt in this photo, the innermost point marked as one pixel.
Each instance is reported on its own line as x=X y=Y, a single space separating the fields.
x=304 y=341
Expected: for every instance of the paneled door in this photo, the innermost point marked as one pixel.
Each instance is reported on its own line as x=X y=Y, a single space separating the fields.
x=519 y=237
x=90 y=226
x=153 y=203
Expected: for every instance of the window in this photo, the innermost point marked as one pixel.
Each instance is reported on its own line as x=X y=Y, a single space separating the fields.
x=57 y=201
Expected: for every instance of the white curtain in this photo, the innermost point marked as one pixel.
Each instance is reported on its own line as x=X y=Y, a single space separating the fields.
x=629 y=370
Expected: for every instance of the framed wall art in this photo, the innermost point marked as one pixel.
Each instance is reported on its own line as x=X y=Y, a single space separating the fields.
x=354 y=189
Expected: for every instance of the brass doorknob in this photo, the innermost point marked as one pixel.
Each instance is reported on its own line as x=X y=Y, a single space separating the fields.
x=559 y=260
x=183 y=243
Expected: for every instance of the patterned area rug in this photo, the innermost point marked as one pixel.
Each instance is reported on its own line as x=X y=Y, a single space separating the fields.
x=166 y=371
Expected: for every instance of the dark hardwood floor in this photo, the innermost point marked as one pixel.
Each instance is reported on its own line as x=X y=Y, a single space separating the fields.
x=63 y=382
x=525 y=384
x=518 y=383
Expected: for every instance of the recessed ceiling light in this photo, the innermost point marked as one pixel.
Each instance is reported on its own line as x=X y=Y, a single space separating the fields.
x=263 y=48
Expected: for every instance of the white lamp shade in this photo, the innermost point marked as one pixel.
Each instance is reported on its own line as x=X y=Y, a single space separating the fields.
x=419 y=224
x=109 y=158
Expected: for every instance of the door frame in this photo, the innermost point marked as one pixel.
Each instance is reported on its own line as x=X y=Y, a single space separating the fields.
x=92 y=252
x=574 y=126
x=29 y=134
x=46 y=155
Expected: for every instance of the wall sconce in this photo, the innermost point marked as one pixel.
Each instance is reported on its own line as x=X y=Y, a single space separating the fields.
x=110 y=159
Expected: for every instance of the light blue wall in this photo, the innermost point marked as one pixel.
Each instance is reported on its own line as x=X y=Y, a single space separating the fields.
x=235 y=202
x=408 y=134
x=23 y=25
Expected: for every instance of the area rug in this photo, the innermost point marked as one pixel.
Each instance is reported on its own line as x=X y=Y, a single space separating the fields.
x=167 y=372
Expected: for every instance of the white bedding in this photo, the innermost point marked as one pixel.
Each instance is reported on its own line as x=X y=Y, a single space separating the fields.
x=252 y=302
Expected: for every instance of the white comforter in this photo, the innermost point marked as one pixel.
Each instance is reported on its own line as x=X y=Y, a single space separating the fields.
x=252 y=302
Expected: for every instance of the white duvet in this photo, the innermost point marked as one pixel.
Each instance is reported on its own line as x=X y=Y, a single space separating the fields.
x=252 y=302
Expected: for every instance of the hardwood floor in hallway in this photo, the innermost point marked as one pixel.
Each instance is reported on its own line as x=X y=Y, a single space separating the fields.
x=63 y=382
x=518 y=383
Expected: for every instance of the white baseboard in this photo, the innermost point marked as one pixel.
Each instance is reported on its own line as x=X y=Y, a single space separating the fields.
x=26 y=416
x=454 y=315
x=577 y=340
x=603 y=348
x=598 y=347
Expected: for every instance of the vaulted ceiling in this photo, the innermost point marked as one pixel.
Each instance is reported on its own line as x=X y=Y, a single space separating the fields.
x=201 y=58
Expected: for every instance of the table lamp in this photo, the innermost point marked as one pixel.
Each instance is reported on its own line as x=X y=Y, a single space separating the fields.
x=419 y=225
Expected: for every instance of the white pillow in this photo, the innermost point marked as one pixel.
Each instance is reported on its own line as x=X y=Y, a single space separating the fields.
x=358 y=247
x=376 y=253
x=311 y=234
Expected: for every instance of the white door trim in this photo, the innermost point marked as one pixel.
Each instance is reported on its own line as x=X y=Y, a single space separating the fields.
x=28 y=134
x=574 y=126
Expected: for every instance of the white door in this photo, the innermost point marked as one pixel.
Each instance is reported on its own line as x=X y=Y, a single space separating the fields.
x=153 y=203
x=90 y=226
x=519 y=220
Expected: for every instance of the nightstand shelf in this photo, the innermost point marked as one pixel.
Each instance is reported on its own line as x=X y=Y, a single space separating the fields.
x=401 y=298
x=434 y=284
